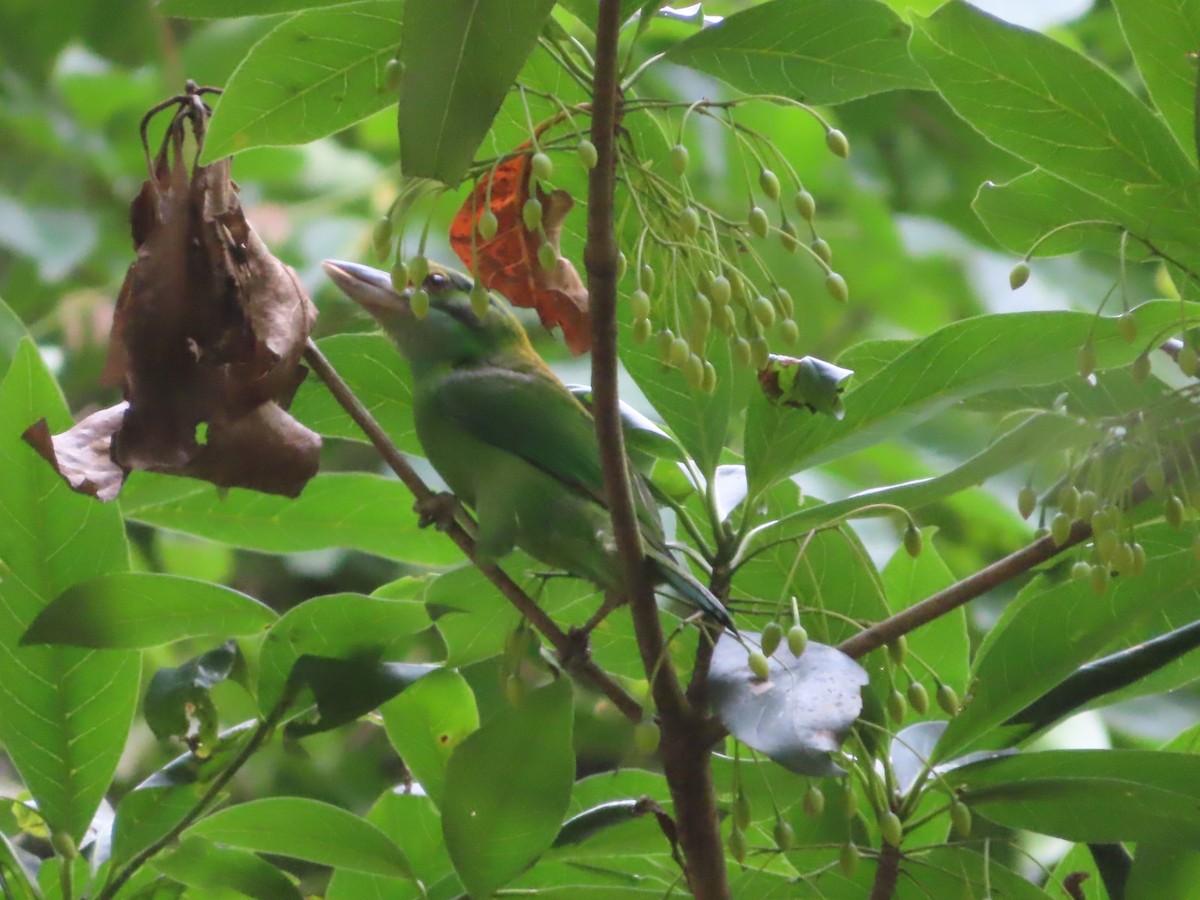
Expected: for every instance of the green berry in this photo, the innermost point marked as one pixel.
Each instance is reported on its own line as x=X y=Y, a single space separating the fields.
x=622 y=264
x=1019 y=275
x=1140 y=369
x=769 y=182
x=679 y=159
x=1173 y=511
x=1139 y=559
x=547 y=257
x=849 y=800
x=789 y=331
x=515 y=689
x=488 y=225
x=680 y=352
x=772 y=634
x=419 y=303
x=399 y=275
x=587 y=153
x=1068 y=500
x=64 y=845
x=641 y=330
x=1156 y=478
x=381 y=237
x=1086 y=507
x=393 y=73
x=1187 y=360
x=947 y=699
x=821 y=248
x=418 y=270
x=837 y=143
x=764 y=311
x=737 y=844
x=1026 y=501
x=720 y=290
x=665 y=342
x=1060 y=529
x=689 y=222
x=1107 y=544
x=912 y=541
x=1085 y=360
x=797 y=639
x=1081 y=570
x=806 y=205
x=960 y=819
x=693 y=372
x=542 y=166
x=1100 y=579
x=788 y=237
x=646 y=736
x=784 y=835
x=897 y=650
x=1127 y=327
x=783 y=300
x=726 y=320
x=897 y=707
x=759 y=665
x=891 y=829
x=646 y=278
x=814 y=802
x=1125 y=561
x=758 y=221
x=481 y=301
x=531 y=214
x=701 y=308
x=848 y=860
x=835 y=285
x=709 y=384
x=742 y=812
x=760 y=352
x=741 y=353
x=639 y=304
x=918 y=698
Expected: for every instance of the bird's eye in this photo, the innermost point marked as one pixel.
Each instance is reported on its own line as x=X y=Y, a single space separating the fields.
x=436 y=281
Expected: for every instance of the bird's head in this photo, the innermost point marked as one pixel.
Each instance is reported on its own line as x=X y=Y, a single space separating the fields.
x=450 y=333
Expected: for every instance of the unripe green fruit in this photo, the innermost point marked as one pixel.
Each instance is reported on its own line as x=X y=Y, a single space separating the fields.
x=797 y=639
x=646 y=278
x=689 y=222
x=897 y=650
x=393 y=73
x=737 y=844
x=787 y=236
x=947 y=699
x=769 y=182
x=912 y=541
x=837 y=143
x=1156 y=478
x=760 y=352
x=515 y=689
x=641 y=330
x=848 y=860
x=480 y=300
x=693 y=372
x=1068 y=499
x=1086 y=507
x=1019 y=275
x=488 y=225
x=622 y=265
x=960 y=819
x=381 y=238
x=1107 y=544
x=680 y=352
x=542 y=166
x=821 y=248
x=679 y=159
x=783 y=300
x=806 y=205
x=789 y=331
x=1140 y=369
x=587 y=154
x=891 y=829
x=814 y=802
x=399 y=275
x=1060 y=529
x=531 y=214
x=646 y=736
x=1127 y=327
x=784 y=835
x=639 y=304
x=758 y=221
x=1187 y=360
x=835 y=284
x=697 y=335
x=759 y=665
x=772 y=635
x=720 y=290
x=741 y=352
x=1173 y=511
x=764 y=311
x=896 y=706
x=742 y=812
x=726 y=320
x=1125 y=560
x=701 y=309
x=709 y=384
x=547 y=257
x=918 y=698
x=664 y=341
x=1026 y=502
x=1100 y=579
x=418 y=270
x=419 y=303
x=849 y=800
x=1139 y=558
x=1081 y=570
x=1085 y=360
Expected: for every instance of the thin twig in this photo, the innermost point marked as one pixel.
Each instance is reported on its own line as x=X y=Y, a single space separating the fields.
x=563 y=643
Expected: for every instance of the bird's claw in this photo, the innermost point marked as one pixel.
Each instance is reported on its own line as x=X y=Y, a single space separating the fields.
x=437 y=509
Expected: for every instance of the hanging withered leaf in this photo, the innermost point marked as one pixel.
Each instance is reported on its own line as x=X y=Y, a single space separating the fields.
x=807 y=383
x=206 y=341
x=508 y=261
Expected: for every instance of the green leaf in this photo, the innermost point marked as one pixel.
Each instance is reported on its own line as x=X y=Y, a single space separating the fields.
x=17 y=880
x=816 y=51
x=308 y=830
x=800 y=714
x=1097 y=796
x=346 y=689
x=189 y=768
x=413 y=823
x=12 y=332
x=962 y=871
x=134 y=610
x=353 y=510
x=1160 y=871
x=458 y=67
x=317 y=72
x=1046 y=633
x=426 y=723
x=336 y=625
x=507 y=789
x=1047 y=104
x=381 y=380
x=1164 y=36
x=180 y=694
x=229 y=9
x=200 y=864
x=145 y=815
x=976 y=355
x=64 y=712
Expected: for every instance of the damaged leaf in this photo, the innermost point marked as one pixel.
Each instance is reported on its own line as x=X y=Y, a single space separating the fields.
x=508 y=260
x=206 y=341
x=807 y=383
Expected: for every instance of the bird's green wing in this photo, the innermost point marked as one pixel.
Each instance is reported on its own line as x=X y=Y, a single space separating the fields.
x=532 y=415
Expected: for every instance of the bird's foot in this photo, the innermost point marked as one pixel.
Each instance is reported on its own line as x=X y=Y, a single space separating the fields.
x=577 y=651
x=437 y=509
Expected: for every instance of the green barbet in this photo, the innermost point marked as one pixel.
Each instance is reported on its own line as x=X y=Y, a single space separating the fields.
x=507 y=436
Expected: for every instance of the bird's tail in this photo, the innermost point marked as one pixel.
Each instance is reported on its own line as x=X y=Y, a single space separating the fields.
x=689 y=589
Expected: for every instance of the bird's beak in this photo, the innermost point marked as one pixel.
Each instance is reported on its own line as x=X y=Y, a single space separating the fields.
x=369 y=288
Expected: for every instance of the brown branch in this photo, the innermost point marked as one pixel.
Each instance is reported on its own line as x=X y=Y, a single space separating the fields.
x=563 y=643
x=686 y=757
x=886 y=873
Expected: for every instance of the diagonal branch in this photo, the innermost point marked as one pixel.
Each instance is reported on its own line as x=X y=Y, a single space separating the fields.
x=563 y=643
